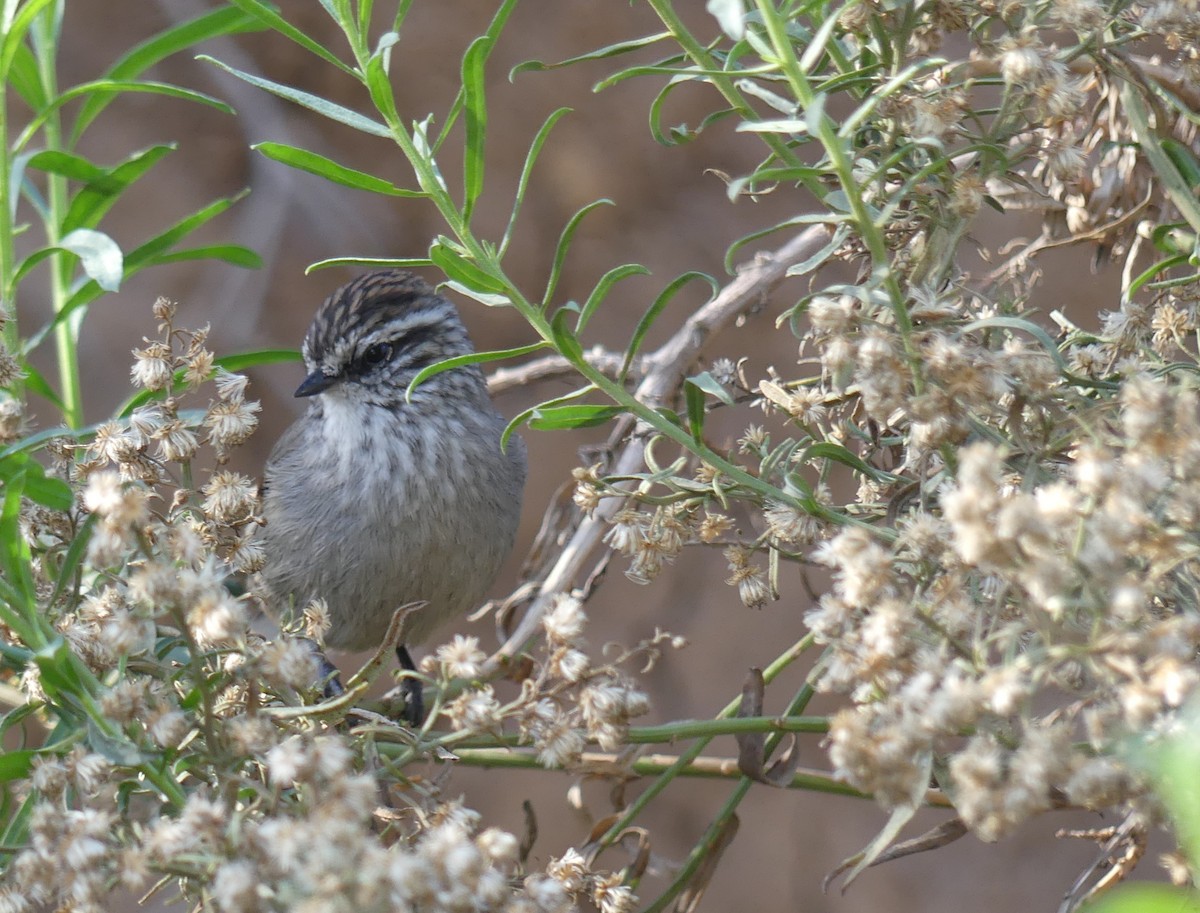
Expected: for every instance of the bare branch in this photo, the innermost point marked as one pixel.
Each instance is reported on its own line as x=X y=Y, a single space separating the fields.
x=665 y=372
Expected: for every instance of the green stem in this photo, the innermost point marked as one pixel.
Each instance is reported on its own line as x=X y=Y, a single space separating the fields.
x=66 y=333
x=12 y=336
x=726 y=85
x=713 y=838
x=781 y=662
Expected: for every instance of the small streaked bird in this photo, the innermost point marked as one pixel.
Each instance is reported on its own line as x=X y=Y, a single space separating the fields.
x=373 y=501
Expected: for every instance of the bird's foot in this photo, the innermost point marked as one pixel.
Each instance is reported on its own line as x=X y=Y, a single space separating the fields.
x=414 y=698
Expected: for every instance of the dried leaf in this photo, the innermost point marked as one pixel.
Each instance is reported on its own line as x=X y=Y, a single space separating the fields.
x=529 y=837
x=751 y=744
x=689 y=897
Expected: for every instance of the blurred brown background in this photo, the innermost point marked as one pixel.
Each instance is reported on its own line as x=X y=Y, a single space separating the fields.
x=669 y=215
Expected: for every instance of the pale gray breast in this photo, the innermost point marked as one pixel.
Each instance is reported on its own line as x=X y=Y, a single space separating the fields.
x=428 y=515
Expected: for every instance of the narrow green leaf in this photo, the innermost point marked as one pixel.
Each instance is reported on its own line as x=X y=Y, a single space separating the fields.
x=474 y=83
x=611 y=50
x=1151 y=272
x=1151 y=145
x=73 y=558
x=710 y=385
x=371 y=262
x=560 y=418
x=97 y=197
x=46 y=490
x=564 y=244
x=276 y=23
x=135 y=261
x=75 y=167
x=827 y=450
x=233 y=254
x=16 y=765
x=604 y=286
x=25 y=77
x=315 y=103
x=565 y=341
x=475 y=358
x=99 y=255
x=1025 y=326
x=694 y=398
x=524 y=417
x=15 y=34
x=460 y=269
x=35 y=382
x=1184 y=161
x=535 y=149
x=487 y=299
x=223 y=21
x=14 y=550
x=647 y=321
x=113 y=87
x=303 y=160
x=1143 y=897
x=379 y=85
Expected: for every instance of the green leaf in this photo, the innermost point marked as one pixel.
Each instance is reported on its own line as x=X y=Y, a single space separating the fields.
x=49 y=492
x=16 y=765
x=276 y=23
x=456 y=266
x=15 y=33
x=566 y=342
x=474 y=83
x=611 y=50
x=109 y=87
x=379 y=85
x=560 y=418
x=98 y=254
x=224 y=21
x=535 y=149
x=525 y=416
x=604 y=286
x=14 y=549
x=1026 y=326
x=35 y=382
x=97 y=197
x=75 y=167
x=475 y=358
x=303 y=160
x=647 y=321
x=26 y=79
x=564 y=244
x=233 y=254
x=315 y=103
x=135 y=260
x=19 y=469
x=1141 y=897
x=694 y=398
x=73 y=558
x=1184 y=161
x=371 y=262
x=827 y=450
x=706 y=382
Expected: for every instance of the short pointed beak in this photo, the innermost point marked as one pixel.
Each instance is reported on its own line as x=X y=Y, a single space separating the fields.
x=315 y=383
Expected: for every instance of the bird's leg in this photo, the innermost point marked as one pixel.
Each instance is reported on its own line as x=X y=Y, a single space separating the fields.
x=327 y=673
x=414 y=700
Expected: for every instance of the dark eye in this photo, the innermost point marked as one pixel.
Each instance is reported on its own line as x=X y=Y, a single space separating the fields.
x=377 y=354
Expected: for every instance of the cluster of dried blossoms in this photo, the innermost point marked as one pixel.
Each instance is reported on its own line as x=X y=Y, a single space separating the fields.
x=203 y=770
x=1009 y=519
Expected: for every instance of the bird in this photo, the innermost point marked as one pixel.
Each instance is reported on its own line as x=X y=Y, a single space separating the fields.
x=377 y=497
